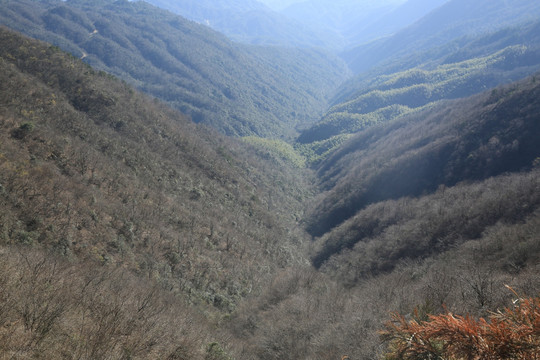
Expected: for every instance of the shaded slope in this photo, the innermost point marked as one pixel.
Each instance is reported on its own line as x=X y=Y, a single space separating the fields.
x=191 y=67
x=470 y=139
x=454 y=250
x=381 y=236
x=395 y=94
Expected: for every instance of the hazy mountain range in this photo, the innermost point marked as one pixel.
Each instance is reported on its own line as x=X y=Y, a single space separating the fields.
x=319 y=23
x=453 y=20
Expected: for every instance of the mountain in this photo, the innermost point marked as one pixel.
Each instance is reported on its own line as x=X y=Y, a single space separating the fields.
x=251 y=22
x=128 y=231
x=459 y=69
x=91 y=169
x=331 y=25
x=454 y=19
x=240 y=90
x=390 y=22
x=359 y=22
x=463 y=140
x=435 y=212
x=345 y=18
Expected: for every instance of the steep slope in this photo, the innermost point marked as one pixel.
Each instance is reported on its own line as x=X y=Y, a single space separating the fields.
x=93 y=170
x=251 y=22
x=454 y=19
x=470 y=139
x=191 y=67
x=453 y=251
x=462 y=49
x=457 y=70
x=127 y=231
x=444 y=212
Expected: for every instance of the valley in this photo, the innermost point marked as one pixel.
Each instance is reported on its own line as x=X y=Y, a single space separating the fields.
x=171 y=192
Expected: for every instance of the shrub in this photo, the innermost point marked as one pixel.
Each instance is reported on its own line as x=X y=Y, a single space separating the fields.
x=513 y=333
x=22 y=131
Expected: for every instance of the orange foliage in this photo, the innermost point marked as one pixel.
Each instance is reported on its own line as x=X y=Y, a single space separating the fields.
x=513 y=333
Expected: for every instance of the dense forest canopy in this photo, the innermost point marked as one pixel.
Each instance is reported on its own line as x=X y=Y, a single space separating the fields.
x=318 y=216
x=240 y=90
x=418 y=80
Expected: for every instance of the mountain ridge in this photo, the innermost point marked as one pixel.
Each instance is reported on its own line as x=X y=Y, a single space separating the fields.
x=454 y=19
x=251 y=22
x=459 y=69
x=238 y=89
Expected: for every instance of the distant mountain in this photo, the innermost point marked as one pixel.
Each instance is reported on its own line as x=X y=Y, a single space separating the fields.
x=454 y=19
x=459 y=69
x=346 y=18
x=240 y=90
x=390 y=22
x=319 y=23
x=249 y=21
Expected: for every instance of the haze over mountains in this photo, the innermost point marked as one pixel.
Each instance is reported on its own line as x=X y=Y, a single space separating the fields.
x=319 y=23
x=264 y=181
x=250 y=22
x=453 y=20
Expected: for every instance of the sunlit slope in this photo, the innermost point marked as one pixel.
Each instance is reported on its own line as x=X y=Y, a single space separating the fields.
x=456 y=70
x=239 y=90
x=91 y=169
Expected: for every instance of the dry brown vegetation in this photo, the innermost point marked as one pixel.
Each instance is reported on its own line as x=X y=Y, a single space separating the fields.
x=54 y=309
x=95 y=171
x=127 y=232
x=512 y=333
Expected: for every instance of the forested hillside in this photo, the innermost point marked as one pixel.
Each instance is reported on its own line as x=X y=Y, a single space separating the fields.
x=129 y=231
x=432 y=213
x=463 y=140
x=239 y=90
x=95 y=174
x=455 y=70
x=453 y=20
